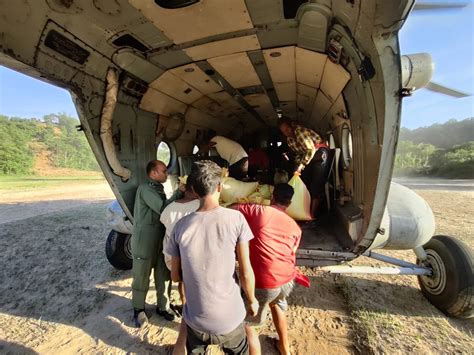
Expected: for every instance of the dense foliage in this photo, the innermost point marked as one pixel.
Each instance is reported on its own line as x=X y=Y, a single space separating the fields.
x=21 y=139
x=445 y=135
x=445 y=150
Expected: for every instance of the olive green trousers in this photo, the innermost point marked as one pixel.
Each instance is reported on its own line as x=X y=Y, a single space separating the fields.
x=147 y=252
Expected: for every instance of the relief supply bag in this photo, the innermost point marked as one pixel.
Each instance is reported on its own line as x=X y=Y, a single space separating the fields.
x=300 y=207
x=233 y=190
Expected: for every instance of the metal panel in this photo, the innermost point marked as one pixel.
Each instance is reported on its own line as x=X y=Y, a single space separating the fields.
x=288 y=109
x=321 y=107
x=203 y=19
x=170 y=59
x=283 y=33
x=194 y=76
x=208 y=106
x=314 y=23
x=176 y=88
x=157 y=102
x=337 y=112
x=286 y=91
x=265 y=11
x=225 y=100
x=281 y=64
x=305 y=100
x=227 y=67
x=262 y=104
x=334 y=79
x=256 y=57
x=347 y=13
x=136 y=65
x=224 y=47
x=309 y=67
x=201 y=119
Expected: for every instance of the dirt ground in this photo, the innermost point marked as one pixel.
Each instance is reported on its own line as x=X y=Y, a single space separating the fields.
x=58 y=294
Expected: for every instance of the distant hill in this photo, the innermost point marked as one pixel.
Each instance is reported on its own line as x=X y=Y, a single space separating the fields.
x=441 y=150
x=37 y=146
x=445 y=135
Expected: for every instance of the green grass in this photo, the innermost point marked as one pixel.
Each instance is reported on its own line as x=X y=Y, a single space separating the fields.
x=34 y=182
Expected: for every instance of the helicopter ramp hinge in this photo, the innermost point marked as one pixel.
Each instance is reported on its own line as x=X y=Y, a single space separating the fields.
x=80 y=128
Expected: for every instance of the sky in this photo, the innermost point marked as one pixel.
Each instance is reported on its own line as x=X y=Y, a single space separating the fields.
x=447 y=35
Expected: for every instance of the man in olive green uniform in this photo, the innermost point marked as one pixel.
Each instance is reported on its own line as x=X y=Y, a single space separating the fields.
x=147 y=243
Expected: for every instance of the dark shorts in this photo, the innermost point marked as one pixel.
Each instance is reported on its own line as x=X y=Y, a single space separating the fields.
x=267 y=297
x=315 y=176
x=234 y=342
x=239 y=169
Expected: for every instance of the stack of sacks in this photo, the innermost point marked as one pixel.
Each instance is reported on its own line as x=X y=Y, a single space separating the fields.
x=234 y=190
x=262 y=196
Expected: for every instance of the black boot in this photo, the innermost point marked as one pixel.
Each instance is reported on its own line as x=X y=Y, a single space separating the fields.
x=165 y=314
x=139 y=318
x=178 y=309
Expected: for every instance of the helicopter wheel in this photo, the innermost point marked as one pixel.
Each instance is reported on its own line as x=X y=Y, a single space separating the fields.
x=451 y=286
x=118 y=250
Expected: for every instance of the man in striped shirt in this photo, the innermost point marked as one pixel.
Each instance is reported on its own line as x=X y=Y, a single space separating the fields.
x=310 y=156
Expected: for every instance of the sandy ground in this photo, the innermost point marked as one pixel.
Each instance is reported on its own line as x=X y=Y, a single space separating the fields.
x=16 y=205
x=58 y=294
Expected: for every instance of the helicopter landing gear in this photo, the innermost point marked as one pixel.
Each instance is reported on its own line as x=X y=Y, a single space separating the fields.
x=118 y=250
x=450 y=287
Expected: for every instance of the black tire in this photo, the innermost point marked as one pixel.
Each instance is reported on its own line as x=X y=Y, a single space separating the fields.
x=118 y=250
x=451 y=287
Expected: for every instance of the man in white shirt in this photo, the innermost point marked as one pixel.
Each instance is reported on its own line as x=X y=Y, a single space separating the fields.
x=233 y=153
x=172 y=214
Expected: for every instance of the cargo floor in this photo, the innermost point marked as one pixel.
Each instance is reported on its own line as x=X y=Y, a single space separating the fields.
x=323 y=234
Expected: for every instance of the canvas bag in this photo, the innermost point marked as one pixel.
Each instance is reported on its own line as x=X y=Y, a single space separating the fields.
x=233 y=190
x=300 y=207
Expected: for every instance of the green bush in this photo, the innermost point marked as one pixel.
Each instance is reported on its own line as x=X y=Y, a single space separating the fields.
x=68 y=148
x=424 y=159
x=457 y=162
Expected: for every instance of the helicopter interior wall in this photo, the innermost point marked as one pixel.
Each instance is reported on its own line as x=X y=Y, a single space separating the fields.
x=281 y=65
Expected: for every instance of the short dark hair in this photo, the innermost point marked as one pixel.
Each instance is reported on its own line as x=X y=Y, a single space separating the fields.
x=205 y=177
x=285 y=120
x=151 y=166
x=282 y=194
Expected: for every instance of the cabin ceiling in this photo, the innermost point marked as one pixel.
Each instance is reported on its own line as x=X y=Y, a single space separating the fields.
x=232 y=77
x=306 y=83
x=231 y=62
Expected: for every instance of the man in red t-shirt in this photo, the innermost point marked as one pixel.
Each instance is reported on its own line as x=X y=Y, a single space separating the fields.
x=273 y=259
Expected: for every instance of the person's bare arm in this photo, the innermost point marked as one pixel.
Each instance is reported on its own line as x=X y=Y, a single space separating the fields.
x=176 y=273
x=247 y=278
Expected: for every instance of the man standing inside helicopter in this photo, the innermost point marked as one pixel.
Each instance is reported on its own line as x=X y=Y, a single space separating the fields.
x=311 y=158
x=147 y=243
x=232 y=152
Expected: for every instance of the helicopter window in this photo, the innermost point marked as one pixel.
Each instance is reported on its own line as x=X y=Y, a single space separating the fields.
x=163 y=153
x=290 y=7
x=346 y=146
x=174 y=4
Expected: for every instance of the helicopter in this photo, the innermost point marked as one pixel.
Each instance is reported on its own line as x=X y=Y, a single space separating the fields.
x=145 y=74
